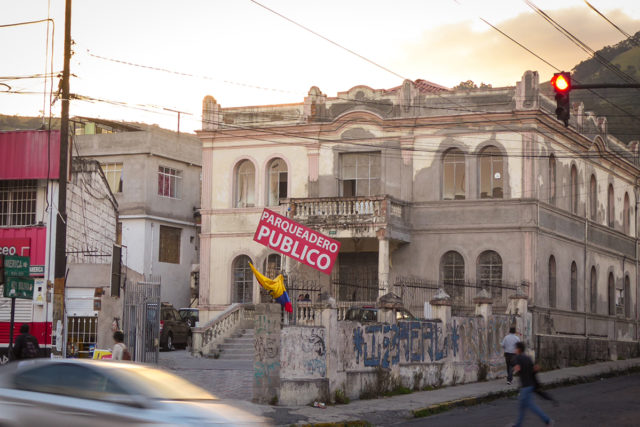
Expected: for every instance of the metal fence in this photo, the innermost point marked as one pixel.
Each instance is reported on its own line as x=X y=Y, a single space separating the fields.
x=415 y=292
x=142 y=319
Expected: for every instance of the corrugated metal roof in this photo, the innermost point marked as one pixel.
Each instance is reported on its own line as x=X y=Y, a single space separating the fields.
x=30 y=154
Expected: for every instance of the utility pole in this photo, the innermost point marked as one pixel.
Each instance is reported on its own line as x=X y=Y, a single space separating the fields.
x=60 y=269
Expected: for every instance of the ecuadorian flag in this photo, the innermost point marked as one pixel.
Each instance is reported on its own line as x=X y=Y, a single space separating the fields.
x=275 y=288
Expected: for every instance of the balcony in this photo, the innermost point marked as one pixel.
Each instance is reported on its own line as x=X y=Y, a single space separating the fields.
x=354 y=217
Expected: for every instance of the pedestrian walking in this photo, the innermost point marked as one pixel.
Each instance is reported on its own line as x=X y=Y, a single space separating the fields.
x=120 y=351
x=537 y=387
x=525 y=368
x=26 y=345
x=509 y=347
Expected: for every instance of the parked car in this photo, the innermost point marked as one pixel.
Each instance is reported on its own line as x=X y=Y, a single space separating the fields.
x=190 y=315
x=174 y=331
x=76 y=392
x=370 y=314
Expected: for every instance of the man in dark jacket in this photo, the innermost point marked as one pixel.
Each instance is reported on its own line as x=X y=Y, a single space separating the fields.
x=26 y=345
x=524 y=366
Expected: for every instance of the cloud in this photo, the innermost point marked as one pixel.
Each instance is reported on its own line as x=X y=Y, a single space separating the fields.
x=453 y=53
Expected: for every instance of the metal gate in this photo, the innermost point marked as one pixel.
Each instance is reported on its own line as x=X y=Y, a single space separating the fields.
x=142 y=319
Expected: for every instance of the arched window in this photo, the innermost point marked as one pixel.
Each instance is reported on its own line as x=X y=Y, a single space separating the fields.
x=490 y=272
x=574 y=286
x=453 y=175
x=273 y=265
x=277 y=182
x=611 y=295
x=452 y=274
x=574 y=189
x=242 y=280
x=610 y=207
x=594 y=290
x=626 y=217
x=552 y=281
x=593 y=198
x=552 y=179
x=627 y=297
x=245 y=184
x=272 y=268
x=491 y=174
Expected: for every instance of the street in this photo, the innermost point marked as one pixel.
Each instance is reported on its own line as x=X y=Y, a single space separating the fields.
x=608 y=402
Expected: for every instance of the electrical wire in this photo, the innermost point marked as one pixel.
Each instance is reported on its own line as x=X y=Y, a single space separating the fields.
x=382 y=67
x=575 y=40
x=623 y=32
x=617 y=107
x=228 y=128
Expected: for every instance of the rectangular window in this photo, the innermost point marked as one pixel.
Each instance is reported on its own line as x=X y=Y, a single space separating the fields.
x=360 y=174
x=18 y=202
x=169 y=181
x=169 y=250
x=81 y=336
x=113 y=173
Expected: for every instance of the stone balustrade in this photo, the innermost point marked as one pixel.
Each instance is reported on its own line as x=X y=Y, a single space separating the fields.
x=206 y=339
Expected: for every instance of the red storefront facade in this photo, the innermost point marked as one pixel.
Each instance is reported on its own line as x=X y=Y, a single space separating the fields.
x=29 y=169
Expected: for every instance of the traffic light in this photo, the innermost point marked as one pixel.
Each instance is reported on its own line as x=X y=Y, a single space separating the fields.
x=561 y=83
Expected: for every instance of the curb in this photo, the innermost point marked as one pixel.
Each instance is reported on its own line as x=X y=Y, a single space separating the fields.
x=487 y=397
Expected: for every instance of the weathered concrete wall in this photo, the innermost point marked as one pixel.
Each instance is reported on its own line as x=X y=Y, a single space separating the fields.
x=303 y=365
x=368 y=359
x=561 y=351
x=266 y=364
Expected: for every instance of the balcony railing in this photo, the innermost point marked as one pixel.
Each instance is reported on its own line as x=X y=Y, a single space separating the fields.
x=349 y=210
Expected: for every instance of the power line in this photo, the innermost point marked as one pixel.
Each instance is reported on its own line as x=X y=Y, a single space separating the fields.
x=16 y=24
x=227 y=129
x=180 y=73
x=617 y=107
x=624 y=33
x=575 y=40
x=382 y=67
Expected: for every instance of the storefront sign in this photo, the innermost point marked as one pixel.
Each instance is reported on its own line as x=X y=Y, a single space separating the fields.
x=297 y=241
x=36 y=270
x=13 y=246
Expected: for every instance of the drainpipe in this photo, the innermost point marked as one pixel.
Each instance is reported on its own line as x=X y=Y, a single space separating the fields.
x=584 y=277
x=636 y=249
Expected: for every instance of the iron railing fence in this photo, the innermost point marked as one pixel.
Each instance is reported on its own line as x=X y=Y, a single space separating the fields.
x=416 y=291
x=141 y=320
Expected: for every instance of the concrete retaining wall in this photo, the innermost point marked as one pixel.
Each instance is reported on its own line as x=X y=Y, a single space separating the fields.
x=303 y=364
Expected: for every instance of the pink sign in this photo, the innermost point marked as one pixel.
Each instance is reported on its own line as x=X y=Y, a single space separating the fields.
x=297 y=241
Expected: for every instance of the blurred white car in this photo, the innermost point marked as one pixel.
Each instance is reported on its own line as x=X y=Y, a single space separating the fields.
x=86 y=393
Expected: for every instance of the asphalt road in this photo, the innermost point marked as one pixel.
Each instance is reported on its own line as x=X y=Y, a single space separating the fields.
x=608 y=402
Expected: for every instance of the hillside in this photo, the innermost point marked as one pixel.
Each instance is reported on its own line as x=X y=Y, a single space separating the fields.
x=625 y=125
x=25 y=123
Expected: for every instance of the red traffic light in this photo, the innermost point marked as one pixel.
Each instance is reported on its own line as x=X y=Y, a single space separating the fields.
x=561 y=82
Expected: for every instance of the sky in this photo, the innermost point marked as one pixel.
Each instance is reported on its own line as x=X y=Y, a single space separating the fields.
x=243 y=54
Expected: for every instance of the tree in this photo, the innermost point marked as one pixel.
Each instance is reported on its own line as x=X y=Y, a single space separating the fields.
x=469 y=84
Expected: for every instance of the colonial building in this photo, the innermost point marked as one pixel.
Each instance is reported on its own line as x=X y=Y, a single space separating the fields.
x=155 y=177
x=429 y=187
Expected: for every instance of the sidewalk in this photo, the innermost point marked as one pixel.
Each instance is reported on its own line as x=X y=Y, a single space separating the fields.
x=394 y=410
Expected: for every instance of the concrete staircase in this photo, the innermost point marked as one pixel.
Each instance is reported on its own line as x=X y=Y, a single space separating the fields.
x=239 y=347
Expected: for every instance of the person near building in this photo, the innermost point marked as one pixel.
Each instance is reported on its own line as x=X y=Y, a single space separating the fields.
x=524 y=366
x=120 y=351
x=26 y=345
x=509 y=346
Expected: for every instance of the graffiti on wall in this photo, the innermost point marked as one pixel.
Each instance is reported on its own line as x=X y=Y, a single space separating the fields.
x=404 y=342
x=428 y=341
x=310 y=361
